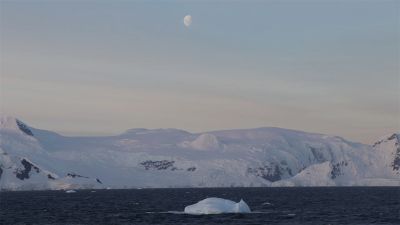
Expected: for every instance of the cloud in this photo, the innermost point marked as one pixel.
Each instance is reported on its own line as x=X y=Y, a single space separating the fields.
x=187 y=20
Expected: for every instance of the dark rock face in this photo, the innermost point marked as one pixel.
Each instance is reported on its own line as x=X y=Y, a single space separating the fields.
x=98 y=181
x=376 y=143
x=191 y=169
x=158 y=165
x=272 y=172
x=1 y=172
x=396 y=162
x=50 y=177
x=24 y=128
x=394 y=136
x=337 y=169
x=73 y=175
x=24 y=173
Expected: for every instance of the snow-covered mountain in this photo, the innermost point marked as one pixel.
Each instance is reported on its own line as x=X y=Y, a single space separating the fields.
x=37 y=159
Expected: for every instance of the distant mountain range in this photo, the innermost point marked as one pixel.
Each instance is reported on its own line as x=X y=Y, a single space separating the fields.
x=34 y=159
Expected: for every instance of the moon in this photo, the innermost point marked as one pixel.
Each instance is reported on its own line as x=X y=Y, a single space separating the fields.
x=187 y=20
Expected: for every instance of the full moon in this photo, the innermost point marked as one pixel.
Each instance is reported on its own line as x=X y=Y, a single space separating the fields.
x=187 y=20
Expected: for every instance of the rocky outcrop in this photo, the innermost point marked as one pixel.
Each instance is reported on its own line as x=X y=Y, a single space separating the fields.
x=271 y=172
x=158 y=165
x=24 y=173
x=24 y=128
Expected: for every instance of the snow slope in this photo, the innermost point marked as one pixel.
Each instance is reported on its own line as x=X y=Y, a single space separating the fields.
x=37 y=159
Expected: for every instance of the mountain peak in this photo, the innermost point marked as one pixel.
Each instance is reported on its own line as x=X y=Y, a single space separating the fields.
x=389 y=147
x=12 y=123
x=388 y=138
x=8 y=122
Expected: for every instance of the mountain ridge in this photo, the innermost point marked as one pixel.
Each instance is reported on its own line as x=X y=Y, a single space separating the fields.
x=265 y=156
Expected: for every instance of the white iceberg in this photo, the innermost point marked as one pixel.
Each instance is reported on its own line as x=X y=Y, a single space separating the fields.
x=70 y=191
x=217 y=206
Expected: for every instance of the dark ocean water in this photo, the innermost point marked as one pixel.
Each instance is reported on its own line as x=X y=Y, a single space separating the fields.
x=355 y=205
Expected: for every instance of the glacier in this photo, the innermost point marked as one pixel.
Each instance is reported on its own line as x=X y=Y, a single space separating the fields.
x=36 y=159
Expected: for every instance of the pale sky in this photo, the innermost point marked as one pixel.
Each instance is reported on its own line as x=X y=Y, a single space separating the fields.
x=102 y=67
